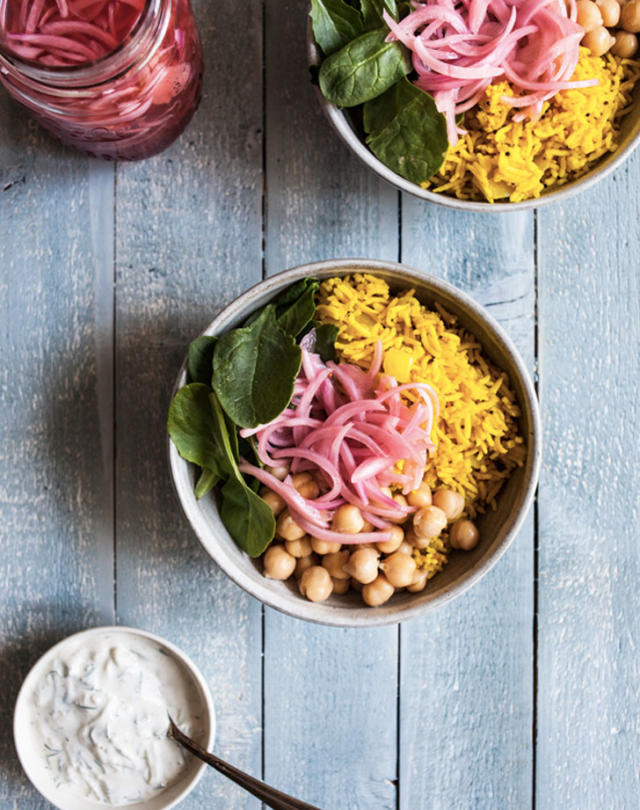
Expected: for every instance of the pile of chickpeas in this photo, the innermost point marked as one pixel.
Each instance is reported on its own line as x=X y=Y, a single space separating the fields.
x=377 y=570
x=610 y=25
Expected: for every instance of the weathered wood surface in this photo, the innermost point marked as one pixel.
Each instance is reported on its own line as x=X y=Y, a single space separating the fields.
x=105 y=274
x=589 y=601
x=467 y=671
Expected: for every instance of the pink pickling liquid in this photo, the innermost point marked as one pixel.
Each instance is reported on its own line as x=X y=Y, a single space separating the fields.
x=114 y=78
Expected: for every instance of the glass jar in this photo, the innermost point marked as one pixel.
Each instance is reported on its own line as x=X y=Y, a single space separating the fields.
x=127 y=104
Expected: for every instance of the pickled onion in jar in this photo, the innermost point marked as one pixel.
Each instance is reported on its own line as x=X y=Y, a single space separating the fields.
x=115 y=78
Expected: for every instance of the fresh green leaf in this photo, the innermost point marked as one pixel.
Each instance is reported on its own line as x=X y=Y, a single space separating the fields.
x=294 y=317
x=363 y=69
x=372 y=12
x=200 y=359
x=228 y=446
x=292 y=293
x=254 y=370
x=406 y=131
x=207 y=480
x=248 y=449
x=246 y=517
x=194 y=430
x=334 y=24
x=326 y=334
x=233 y=437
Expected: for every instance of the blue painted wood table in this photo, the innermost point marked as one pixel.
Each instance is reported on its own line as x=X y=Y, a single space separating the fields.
x=522 y=693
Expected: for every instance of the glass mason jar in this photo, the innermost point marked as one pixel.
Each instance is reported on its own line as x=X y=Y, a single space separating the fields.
x=129 y=103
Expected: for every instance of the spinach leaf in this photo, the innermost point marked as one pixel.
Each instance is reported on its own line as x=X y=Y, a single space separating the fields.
x=194 y=430
x=200 y=359
x=254 y=370
x=207 y=480
x=363 y=69
x=406 y=131
x=242 y=511
x=247 y=518
x=326 y=334
x=334 y=24
x=293 y=318
x=372 y=12
x=292 y=293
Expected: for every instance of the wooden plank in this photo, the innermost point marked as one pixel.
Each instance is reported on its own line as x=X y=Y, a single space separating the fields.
x=589 y=602
x=322 y=202
x=330 y=695
x=466 y=671
x=189 y=236
x=56 y=537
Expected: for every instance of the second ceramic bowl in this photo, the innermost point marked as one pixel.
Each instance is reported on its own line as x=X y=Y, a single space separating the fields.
x=347 y=129
x=496 y=528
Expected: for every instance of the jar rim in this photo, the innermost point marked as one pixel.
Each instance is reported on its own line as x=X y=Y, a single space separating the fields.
x=74 y=72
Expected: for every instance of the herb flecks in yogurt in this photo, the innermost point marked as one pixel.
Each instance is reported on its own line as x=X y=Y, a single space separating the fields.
x=101 y=715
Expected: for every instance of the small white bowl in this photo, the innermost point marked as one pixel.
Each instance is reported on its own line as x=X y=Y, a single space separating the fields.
x=344 y=125
x=33 y=765
x=464 y=568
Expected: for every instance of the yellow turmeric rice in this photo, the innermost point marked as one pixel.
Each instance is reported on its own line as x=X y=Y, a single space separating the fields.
x=500 y=158
x=476 y=435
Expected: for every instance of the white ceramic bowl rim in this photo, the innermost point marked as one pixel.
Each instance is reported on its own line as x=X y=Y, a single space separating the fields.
x=20 y=712
x=322 y=613
x=340 y=122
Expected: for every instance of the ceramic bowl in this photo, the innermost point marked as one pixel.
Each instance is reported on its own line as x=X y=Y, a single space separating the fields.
x=26 y=742
x=347 y=129
x=496 y=528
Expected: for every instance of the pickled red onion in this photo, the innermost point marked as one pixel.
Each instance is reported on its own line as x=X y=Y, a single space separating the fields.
x=59 y=32
x=467 y=44
x=350 y=429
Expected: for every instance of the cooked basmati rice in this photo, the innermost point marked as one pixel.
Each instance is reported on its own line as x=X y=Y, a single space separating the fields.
x=476 y=436
x=500 y=159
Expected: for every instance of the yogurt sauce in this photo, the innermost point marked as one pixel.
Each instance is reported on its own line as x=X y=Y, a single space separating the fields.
x=100 y=717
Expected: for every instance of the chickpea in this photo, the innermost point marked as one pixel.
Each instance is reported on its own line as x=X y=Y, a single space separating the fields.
x=322 y=547
x=302 y=563
x=599 y=40
x=277 y=563
x=464 y=535
x=389 y=546
x=419 y=582
x=625 y=45
x=429 y=521
x=417 y=542
x=367 y=527
x=335 y=562
x=399 y=569
x=610 y=11
x=299 y=548
x=273 y=501
x=402 y=502
x=347 y=519
x=281 y=471
x=377 y=592
x=451 y=503
x=630 y=16
x=357 y=586
x=305 y=485
x=589 y=16
x=287 y=528
x=340 y=586
x=363 y=565
x=316 y=584
x=420 y=497
x=405 y=548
